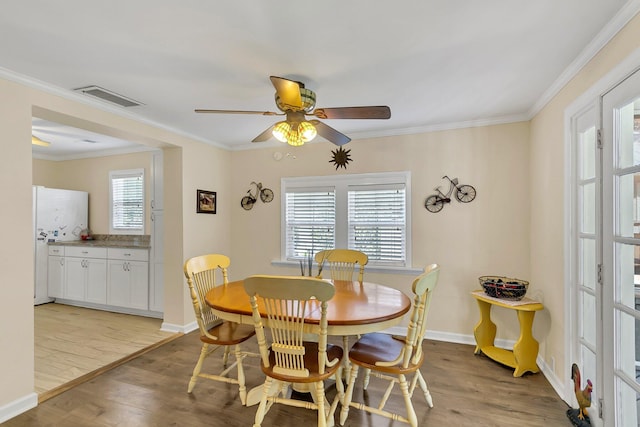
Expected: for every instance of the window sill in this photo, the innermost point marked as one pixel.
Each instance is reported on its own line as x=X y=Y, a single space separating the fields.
x=368 y=268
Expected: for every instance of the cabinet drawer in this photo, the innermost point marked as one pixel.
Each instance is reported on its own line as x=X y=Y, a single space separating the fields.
x=85 y=252
x=128 y=254
x=56 y=250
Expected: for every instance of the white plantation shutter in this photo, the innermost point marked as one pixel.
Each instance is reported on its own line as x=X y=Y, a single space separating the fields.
x=127 y=201
x=310 y=221
x=377 y=222
x=365 y=212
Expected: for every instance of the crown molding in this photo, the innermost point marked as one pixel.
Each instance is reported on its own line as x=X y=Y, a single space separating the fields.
x=622 y=18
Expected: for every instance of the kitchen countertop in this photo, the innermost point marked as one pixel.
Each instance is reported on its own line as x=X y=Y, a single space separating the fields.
x=110 y=241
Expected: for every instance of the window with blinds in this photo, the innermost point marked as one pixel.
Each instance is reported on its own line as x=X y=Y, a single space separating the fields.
x=127 y=201
x=311 y=221
x=377 y=222
x=367 y=212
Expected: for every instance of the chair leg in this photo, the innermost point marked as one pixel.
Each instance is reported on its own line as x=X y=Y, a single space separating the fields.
x=367 y=376
x=262 y=408
x=241 y=385
x=339 y=396
x=198 y=367
x=425 y=389
x=319 y=398
x=411 y=413
x=346 y=363
x=225 y=357
x=348 y=394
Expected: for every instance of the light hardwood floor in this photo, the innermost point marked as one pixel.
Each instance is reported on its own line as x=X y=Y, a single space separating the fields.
x=74 y=343
x=151 y=390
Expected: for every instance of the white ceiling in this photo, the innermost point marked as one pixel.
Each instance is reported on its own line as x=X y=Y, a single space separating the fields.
x=436 y=63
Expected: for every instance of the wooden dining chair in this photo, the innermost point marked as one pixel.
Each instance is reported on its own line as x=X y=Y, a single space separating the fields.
x=341 y=263
x=392 y=358
x=288 y=358
x=215 y=333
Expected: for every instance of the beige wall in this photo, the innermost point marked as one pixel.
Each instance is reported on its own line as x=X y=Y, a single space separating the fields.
x=16 y=302
x=547 y=191
x=487 y=236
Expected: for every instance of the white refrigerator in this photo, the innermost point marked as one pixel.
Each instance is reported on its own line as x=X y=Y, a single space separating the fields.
x=58 y=215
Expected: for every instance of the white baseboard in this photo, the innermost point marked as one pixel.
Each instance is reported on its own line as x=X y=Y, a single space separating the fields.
x=18 y=406
x=553 y=379
x=185 y=329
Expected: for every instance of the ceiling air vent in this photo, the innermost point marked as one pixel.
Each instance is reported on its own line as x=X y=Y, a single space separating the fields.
x=109 y=96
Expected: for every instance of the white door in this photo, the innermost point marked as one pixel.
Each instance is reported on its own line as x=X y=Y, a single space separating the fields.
x=586 y=293
x=621 y=252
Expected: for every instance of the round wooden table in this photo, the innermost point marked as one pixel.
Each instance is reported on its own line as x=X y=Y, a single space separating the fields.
x=356 y=308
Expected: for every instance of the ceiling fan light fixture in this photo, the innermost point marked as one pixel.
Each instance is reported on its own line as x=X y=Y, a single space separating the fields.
x=307 y=131
x=281 y=130
x=294 y=138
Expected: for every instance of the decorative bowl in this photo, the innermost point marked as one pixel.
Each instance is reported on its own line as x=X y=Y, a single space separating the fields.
x=504 y=287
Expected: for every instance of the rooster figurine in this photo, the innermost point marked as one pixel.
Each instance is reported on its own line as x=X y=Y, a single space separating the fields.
x=580 y=417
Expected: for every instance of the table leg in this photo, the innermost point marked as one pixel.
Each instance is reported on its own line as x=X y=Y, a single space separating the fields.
x=525 y=349
x=485 y=330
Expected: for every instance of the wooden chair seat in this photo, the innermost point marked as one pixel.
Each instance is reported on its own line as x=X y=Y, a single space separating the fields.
x=373 y=348
x=310 y=362
x=229 y=333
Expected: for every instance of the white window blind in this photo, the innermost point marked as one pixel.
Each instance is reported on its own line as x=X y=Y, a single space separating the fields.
x=310 y=219
x=127 y=201
x=365 y=212
x=376 y=222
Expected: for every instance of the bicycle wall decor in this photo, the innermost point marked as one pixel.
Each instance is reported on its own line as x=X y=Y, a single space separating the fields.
x=266 y=195
x=463 y=193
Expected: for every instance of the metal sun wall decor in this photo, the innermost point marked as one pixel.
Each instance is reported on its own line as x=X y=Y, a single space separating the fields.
x=340 y=158
x=266 y=195
x=463 y=193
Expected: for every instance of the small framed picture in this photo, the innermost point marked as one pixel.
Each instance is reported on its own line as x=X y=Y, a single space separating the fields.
x=206 y=202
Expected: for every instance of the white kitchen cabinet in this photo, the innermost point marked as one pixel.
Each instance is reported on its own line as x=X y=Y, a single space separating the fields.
x=85 y=274
x=55 y=272
x=128 y=278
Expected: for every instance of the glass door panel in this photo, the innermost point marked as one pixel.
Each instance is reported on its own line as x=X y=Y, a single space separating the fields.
x=621 y=251
x=587 y=254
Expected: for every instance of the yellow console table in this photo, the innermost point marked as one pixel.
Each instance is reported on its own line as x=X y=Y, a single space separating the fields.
x=525 y=351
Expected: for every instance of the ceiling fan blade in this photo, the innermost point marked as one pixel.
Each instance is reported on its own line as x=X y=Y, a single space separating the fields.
x=264 y=135
x=37 y=141
x=288 y=91
x=329 y=133
x=262 y=113
x=373 y=112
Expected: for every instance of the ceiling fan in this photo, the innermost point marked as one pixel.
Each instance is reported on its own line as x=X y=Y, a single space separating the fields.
x=37 y=141
x=296 y=102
